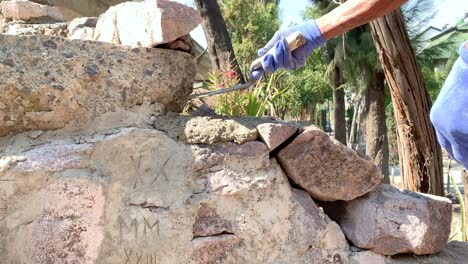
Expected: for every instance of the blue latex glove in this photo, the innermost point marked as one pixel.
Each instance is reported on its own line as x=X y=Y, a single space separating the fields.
x=450 y=111
x=278 y=55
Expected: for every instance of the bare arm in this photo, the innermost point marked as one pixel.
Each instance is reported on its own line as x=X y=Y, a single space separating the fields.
x=354 y=13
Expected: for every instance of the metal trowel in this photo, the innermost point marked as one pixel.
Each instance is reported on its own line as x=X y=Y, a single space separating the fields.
x=294 y=41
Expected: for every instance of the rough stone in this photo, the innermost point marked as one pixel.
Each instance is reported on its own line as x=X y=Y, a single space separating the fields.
x=30 y=11
x=85 y=33
x=82 y=28
x=44 y=2
x=184 y=43
x=208 y=130
x=455 y=252
x=21 y=29
x=213 y=129
x=366 y=257
x=326 y=169
x=147 y=23
x=82 y=22
x=76 y=82
x=136 y=195
x=389 y=221
x=3 y=21
x=275 y=134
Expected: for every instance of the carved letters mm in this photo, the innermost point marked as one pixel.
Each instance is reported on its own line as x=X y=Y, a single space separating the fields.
x=139 y=257
x=137 y=227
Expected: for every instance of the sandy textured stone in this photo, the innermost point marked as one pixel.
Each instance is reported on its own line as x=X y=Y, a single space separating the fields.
x=136 y=195
x=82 y=28
x=147 y=23
x=455 y=252
x=389 y=221
x=85 y=33
x=3 y=21
x=366 y=257
x=21 y=29
x=76 y=82
x=44 y=2
x=208 y=130
x=82 y=22
x=30 y=11
x=326 y=169
x=275 y=134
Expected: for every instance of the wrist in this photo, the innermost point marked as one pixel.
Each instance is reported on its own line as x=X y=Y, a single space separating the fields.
x=325 y=28
x=314 y=34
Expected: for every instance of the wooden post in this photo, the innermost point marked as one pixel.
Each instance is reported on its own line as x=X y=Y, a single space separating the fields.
x=419 y=152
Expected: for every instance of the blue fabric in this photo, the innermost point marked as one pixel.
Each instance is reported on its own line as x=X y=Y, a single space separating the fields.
x=278 y=54
x=449 y=115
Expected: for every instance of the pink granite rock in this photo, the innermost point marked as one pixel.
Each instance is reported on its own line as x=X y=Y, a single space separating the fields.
x=147 y=23
x=389 y=221
x=275 y=134
x=326 y=169
x=29 y=11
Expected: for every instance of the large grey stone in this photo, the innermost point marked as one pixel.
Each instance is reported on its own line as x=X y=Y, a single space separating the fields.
x=389 y=221
x=326 y=169
x=137 y=196
x=48 y=83
x=147 y=23
x=30 y=11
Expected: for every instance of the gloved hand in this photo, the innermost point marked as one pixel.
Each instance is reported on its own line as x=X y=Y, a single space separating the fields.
x=278 y=55
x=449 y=114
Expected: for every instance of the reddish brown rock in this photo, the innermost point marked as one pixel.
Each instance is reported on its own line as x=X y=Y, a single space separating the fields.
x=389 y=221
x=211 y=250
x=29 y=11
x=275 y=134
x=326 y=169
x=209 y=223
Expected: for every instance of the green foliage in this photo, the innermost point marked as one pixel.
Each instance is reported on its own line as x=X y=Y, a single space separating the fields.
x=251 y=24
x=263 y=97
x=309 y=86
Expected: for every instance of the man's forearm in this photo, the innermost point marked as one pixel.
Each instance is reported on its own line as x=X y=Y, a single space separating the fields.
x=354 y=13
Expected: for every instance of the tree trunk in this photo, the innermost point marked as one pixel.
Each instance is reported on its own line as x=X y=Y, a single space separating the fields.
x=420 y=154
x=217 y=36
x=339 y=105
x=354 y=135
x=376 y=124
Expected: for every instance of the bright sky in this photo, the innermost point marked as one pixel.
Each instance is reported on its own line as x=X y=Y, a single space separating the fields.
x=291 y=13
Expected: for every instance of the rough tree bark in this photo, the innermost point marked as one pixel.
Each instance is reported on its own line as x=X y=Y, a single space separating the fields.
x=339 y=105
x=420 y=154
x=217 y=36
x=353 y=137
x=376 y=124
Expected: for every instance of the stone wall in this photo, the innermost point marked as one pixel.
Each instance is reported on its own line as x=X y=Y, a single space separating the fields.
x=96 y=168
